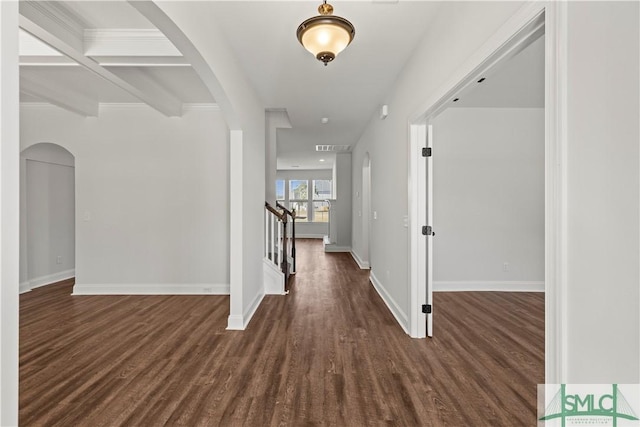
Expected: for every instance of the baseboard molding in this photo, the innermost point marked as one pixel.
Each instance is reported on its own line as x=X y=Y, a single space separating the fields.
x=49 y=279
x=151 y=289
x=495 y=286
x=239 y=323
x=362 y=264
x=235 y=323
x=332 y=248
x=24 y=287
x=398 y=313
x=309 y=236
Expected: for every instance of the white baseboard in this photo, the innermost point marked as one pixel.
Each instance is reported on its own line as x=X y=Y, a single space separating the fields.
x=235 y=323
x=49 y=279
x=398 y=313
x=239 y=323
x=362 y=264
x=24 y=287
x=309 y=236
x=150 y=289
x=332 y=248
x=495 y=286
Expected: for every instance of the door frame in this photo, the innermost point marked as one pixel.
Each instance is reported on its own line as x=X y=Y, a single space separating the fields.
x=513 y=36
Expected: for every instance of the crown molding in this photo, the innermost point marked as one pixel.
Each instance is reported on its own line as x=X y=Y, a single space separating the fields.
x=73 y=101
x=200 y=107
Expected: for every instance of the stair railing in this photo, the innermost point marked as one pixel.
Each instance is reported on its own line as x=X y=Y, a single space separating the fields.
x=291 y=237
x=275 y=242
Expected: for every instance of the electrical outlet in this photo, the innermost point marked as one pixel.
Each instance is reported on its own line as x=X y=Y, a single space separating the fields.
x=505 y=267
x=375 y=215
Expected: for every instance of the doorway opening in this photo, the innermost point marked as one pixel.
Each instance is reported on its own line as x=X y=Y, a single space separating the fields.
x=47 y=215
x=527 y=26
x=366 y=211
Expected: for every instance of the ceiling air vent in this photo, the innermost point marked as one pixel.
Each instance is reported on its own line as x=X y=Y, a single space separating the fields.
x=333 y=148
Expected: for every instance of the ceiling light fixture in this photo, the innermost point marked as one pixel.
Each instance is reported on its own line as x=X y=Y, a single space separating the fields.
x=325 y=35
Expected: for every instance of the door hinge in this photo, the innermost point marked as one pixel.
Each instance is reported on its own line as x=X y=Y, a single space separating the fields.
x=427 y=230
x=426 y=308
x=426 y=152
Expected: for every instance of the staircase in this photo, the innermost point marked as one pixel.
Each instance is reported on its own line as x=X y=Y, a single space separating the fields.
x=279 y=248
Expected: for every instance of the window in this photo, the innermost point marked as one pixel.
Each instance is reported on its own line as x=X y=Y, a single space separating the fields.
x=298 y=189
x=322 y=189
x=320 y=212
x=301 y=208
x=280 y=190
x=299 y=199
x=307 y=197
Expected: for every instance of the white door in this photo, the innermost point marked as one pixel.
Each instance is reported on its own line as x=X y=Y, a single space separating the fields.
x=429 y=233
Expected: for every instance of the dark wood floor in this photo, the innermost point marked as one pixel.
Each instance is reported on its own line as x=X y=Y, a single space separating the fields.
x=330 y=353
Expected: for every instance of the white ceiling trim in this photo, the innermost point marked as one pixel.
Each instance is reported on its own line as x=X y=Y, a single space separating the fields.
x=69 y=27
x=40 y=21
x=200 y=107
x=125 y=42
x=69 y=100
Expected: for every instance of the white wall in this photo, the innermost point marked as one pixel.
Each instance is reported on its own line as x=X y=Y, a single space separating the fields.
x=603 y=203
x=275 y=119
x=47 y=217
x=488 y=199
x=9 y=212
x=457 y=32
x=152 y=198
x=342 y=205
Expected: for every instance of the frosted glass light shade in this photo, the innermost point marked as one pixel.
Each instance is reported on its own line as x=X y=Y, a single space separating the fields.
x=325 y=36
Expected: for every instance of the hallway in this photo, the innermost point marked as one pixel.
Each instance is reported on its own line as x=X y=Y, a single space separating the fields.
x=329 y=353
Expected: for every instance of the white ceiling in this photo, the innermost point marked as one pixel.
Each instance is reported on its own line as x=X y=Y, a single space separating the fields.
x=285 y=76
x=347 y=91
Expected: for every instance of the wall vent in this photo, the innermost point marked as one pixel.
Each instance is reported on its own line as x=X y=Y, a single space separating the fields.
x=333 y=148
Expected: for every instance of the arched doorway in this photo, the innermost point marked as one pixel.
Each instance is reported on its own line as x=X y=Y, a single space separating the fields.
x=47 y=215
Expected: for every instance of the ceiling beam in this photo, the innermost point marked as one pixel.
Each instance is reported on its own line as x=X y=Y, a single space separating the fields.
x=124 y=42
x=48 y=22
x=66 y=99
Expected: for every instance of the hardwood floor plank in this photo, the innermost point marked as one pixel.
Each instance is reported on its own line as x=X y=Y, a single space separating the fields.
x=328 y=354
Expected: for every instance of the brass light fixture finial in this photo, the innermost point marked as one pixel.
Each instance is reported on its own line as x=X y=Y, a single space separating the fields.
x=325 y=35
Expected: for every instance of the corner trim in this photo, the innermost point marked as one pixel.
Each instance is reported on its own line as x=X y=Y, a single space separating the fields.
x=240 y=323
x=401 y=316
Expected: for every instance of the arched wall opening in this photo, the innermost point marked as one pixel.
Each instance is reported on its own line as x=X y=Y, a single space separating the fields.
x=47 y=215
